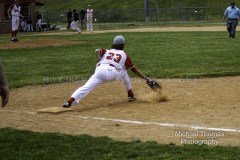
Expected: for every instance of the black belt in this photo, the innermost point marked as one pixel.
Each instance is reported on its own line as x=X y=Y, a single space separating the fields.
x=233 y=19
x=109 y=65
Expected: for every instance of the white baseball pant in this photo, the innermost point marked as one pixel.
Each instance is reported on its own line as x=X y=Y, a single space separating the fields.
x=39 y=23
x=74 y=26
x=89 y=23
x=103 y=73
x=15 y=23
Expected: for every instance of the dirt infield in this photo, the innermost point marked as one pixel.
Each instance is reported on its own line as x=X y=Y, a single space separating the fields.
x=211 y=103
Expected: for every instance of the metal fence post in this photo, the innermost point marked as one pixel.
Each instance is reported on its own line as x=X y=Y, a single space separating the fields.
x=157 y=10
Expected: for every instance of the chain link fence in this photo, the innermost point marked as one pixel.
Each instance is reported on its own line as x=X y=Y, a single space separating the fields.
x=126 y=17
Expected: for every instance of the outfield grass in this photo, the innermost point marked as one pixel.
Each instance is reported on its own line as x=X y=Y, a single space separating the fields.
x=26 y=145
x=159 y=55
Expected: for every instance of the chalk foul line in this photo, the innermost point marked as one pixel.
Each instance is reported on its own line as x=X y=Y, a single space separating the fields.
x=195 y=127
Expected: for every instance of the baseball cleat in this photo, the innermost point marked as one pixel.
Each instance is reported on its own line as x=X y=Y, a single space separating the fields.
x=131 y=99
x=66 y=105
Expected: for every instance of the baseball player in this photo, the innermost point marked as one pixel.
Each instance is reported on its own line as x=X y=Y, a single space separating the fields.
x=74 y=24
x=69 y=18
x=82 y=18
x=112 y=65
x=39 y=21
x=4 y=91
x=232 y=13
x=89 y=16
x=14 y=13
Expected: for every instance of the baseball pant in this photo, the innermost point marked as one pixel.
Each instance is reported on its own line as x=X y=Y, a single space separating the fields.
x=231 y=26
x=15 y=23
x=39 y=23
x=103 y=73
x=74 y=26
x=69 y=20
x=90 y=24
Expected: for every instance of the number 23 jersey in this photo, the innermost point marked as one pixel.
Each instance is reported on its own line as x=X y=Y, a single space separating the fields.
x=118 y=58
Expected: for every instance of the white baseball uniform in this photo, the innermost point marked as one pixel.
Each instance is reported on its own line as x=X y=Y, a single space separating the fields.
x=15 y=13
x=112 y=66
x=74 y=26
x=89 y=19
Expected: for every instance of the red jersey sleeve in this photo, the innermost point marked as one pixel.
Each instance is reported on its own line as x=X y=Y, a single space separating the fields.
x=129 y=64
x=102 y=51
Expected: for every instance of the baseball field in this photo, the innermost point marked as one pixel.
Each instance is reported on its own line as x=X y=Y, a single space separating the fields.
x=199 y=68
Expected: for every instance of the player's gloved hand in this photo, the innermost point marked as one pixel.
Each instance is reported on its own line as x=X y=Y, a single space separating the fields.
x=4 y=93
x=154 y=85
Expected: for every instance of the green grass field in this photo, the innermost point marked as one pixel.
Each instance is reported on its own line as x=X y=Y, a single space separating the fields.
x=24 y=145
x=158 y=55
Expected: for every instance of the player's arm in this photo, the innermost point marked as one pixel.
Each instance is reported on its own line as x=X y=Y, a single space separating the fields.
x=99 y=53
x=225 y=15
x=140 y=74
x=21 y=15
x=9 y=11
x=238 y=12
x=154 y=85
x=129 y=65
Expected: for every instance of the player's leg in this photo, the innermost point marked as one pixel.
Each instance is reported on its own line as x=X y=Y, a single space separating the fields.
x=15 y=24
x=12 y=38
x=72 y=25
x=234 y=26
x=229 y=28
x=39 y=25
x=16 y=29
x=123 y=76
x=84 y=22
x=88 y=21
x=81 y=24
x=84 y=90
x=13 y=29
x=69 y=22
x=128 y=86
x=77 y=29
x=91 y=24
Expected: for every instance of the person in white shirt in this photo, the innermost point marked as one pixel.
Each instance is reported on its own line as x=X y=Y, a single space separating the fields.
x=14 y=14
x=89 y=13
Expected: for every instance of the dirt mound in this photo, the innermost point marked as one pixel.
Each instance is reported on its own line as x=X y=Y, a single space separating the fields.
x=37 y=43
